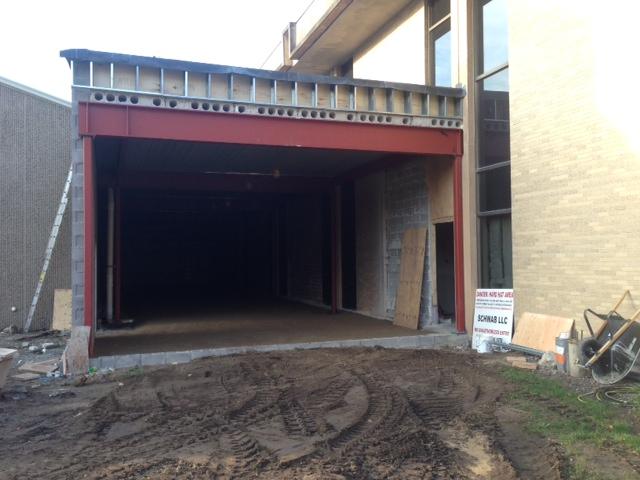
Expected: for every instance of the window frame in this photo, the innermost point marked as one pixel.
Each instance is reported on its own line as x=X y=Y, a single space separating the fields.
x=434 y=31
x=479 y=75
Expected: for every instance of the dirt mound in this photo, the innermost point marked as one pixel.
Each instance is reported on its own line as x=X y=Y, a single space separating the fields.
x=325 y=414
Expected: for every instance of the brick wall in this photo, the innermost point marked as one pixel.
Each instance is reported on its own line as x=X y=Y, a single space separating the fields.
x=34 y=162
x=575 y=148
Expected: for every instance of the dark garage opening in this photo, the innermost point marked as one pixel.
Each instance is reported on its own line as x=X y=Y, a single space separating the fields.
x=225 y=245
x=194 y=248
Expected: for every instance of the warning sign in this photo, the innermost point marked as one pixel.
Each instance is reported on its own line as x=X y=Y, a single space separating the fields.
x=493 y=317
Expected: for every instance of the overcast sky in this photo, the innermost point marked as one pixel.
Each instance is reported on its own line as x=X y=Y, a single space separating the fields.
x=231 y=32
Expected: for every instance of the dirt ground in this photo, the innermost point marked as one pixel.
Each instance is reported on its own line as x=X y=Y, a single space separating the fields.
x=323 y=414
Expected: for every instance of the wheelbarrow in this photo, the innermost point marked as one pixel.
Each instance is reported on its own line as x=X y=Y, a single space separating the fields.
x=612 y=351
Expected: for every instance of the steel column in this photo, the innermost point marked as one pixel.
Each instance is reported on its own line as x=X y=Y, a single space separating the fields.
x=334 y=250
x=89 y=237
x=458 y=243
x=118 y=255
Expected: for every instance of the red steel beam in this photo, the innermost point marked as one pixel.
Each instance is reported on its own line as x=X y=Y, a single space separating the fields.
x=89 y=237
x=458 y=245
x=98 y=119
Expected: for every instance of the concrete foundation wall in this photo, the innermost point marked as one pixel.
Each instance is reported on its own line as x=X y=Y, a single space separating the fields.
x=370 y=239
x=406 y=206
x=304 y=248
x=34 y=162
x=575 y=152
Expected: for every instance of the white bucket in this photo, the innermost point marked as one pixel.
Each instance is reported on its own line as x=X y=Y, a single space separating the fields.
x=6 y=359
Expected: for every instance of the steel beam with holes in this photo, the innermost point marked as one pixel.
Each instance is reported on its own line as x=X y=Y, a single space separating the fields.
x=164 y=124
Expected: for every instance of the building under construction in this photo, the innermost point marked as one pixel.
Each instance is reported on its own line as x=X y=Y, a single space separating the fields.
x=390 y=159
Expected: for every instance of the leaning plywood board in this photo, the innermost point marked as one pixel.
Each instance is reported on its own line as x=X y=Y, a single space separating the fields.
x=539 y=331
x=61 y=309
x=411 y=272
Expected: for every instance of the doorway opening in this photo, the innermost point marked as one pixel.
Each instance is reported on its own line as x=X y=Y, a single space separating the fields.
x=445 y=272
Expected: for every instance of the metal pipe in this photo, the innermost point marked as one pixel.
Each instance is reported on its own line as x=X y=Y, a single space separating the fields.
x=334 y=250
x=117 y=289
x=110 y=251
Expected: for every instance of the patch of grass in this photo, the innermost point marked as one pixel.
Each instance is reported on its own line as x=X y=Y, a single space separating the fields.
x=135 y=372
x=556 y=412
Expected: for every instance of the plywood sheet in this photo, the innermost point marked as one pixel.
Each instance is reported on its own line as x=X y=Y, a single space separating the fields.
x=61 y=309
x=539 y=331
x=411 y=273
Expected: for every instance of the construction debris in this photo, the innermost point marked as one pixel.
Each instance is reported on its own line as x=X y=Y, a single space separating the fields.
x=45 y=367
x=75 y=358
x=523 y=362
x=6 y=358
x=26 y=376
x=10 y=330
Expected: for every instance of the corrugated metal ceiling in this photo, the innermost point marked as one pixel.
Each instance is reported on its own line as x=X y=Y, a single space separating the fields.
x=192 y=157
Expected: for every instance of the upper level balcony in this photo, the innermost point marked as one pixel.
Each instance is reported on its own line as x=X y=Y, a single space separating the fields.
x=329 y=31
x=136 y=81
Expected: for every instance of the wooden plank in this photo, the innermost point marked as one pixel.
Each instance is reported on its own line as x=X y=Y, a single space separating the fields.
x=411 y=273
x=524 y=364
x=26 y=376
x=46 y=366
x=61 y=309
x=539 y=331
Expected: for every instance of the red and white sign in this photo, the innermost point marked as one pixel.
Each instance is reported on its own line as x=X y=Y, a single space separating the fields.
x=493 y=317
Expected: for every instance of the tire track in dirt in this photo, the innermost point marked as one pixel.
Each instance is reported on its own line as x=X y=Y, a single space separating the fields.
x=341 y=414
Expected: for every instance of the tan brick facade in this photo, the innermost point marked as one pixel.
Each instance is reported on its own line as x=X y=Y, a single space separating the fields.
x=575 y=158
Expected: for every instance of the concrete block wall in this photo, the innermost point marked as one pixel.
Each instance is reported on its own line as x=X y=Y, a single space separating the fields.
x=406 y=206
x=304 y=245
x=575 y=152
x=34 y=162
x=77 y=214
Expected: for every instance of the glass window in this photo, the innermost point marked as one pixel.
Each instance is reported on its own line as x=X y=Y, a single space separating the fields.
x=495 y=247
x=442 y=60
x=494 y=155
x=439 y=10
x=493 y=121
x=495 y=34
x=494 y=187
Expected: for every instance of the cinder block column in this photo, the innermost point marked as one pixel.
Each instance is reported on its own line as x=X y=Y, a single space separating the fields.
x=77 y=217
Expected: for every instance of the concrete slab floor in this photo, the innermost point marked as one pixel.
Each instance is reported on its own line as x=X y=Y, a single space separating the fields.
x=235 y=325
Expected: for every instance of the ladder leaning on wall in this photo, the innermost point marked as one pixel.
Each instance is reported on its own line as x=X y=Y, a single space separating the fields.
x=48 y=253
